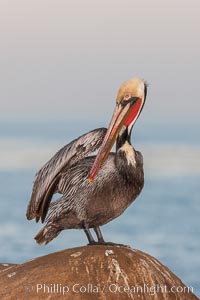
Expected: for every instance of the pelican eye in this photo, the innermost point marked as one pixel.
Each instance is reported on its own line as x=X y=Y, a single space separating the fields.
x=127 y=96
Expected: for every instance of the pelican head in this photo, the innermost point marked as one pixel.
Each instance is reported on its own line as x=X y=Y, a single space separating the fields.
x=129 y=103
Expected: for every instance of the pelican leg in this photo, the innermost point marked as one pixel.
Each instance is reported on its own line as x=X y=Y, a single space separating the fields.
x=88 y=234
x=101 y=239
x=99 y=235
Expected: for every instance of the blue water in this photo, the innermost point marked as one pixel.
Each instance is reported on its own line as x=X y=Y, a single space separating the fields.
x=163 y=221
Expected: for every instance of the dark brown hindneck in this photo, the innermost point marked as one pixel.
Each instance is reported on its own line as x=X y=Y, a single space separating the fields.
x=122 y=138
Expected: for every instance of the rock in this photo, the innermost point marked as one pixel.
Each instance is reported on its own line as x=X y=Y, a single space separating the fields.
x=6 y=266
x=92 y=272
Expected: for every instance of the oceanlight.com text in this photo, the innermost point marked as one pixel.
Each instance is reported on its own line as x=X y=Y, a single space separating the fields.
x=77 y=288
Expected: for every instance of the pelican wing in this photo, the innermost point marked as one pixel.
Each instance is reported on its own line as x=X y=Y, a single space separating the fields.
x=47 y=179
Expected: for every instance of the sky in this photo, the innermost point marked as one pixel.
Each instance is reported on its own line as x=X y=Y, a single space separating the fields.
x=65 y=60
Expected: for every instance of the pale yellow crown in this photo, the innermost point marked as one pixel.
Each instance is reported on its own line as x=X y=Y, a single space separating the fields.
x=134 y=86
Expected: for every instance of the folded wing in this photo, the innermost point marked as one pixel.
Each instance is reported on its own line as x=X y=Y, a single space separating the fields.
x=47 y=179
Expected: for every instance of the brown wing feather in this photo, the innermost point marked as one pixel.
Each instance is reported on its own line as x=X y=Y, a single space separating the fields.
x=46 y=181
x=44 y=205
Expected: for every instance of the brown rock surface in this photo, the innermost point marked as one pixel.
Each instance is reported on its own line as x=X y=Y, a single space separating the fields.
x=6 y=266
x=92 y=272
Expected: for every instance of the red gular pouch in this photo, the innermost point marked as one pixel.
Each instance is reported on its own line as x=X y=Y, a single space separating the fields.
x=133 y=112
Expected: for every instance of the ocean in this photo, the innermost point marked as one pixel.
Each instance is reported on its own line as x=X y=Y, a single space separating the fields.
x=163 y=221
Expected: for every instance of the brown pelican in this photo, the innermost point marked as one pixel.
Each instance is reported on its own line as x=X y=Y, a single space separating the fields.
x=94 y=190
